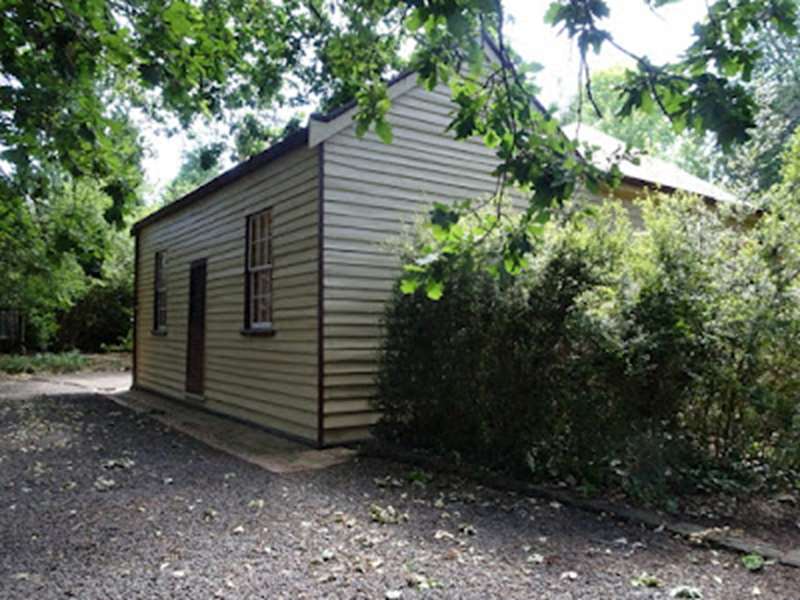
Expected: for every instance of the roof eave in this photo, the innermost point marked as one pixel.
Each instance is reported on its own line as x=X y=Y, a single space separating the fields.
x=295 y=140
x=652 y=185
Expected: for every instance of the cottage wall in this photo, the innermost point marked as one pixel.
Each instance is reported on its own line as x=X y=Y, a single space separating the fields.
x=272 y=381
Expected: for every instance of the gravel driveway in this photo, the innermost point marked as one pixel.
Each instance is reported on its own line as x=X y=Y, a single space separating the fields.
x=99 y=502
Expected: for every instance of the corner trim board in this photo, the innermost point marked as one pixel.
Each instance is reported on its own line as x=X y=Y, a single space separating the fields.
x=136 y=251
x=321 y=297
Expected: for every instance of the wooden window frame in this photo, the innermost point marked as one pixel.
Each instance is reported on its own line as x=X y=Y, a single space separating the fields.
x=159 y=294
x=251 y=271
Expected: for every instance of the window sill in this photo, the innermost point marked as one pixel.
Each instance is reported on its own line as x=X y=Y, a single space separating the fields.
x=159 y=332
x=257 y=331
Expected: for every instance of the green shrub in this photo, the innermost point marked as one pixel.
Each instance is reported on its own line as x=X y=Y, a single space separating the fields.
x=633 y=357
x=64 y=362
x=124 y=345
x=99 y=318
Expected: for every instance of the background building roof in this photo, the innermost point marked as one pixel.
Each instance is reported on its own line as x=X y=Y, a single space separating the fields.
x=650 y=170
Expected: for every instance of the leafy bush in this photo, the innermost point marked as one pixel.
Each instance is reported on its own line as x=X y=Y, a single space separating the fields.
x=65 y=268
x=615 y=355
x=101 y=318
x=65 y=362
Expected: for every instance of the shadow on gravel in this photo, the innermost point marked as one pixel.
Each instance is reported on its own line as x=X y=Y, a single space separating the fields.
x=97 y=501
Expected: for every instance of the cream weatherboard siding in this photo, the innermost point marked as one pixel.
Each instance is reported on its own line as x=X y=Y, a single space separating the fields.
x=373 y=192
x=272 y=381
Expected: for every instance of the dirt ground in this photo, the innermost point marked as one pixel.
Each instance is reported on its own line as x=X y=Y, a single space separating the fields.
x=110 y=361
x=99 y=502
x=772 y=518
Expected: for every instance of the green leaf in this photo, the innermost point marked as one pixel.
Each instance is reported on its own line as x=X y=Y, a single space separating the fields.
x=440 y=234
x=434 y=290
x=553 y=14
x=414 y=20
x=753 y=562
x=511 y=265
x=176 y=15
x=412 y=268
x=491 y=139
x=361 y=128
x=409 y=286
x=384 y=131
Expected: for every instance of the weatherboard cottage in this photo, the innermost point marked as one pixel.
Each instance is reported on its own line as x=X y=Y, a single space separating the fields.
x=259 y=295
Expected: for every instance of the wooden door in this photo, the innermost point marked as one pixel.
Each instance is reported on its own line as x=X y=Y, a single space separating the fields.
x=196 y=339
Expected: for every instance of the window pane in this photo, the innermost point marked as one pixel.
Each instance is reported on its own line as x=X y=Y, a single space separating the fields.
x=259 y=272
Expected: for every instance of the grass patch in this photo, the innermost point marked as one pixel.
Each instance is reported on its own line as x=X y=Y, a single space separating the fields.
x=63 y=362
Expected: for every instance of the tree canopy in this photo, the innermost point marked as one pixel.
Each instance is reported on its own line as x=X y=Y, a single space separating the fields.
x=55 y=251
x=648 y=132
x=75 y=75
x=750 y=168
x=755 y=166
x=72 y=72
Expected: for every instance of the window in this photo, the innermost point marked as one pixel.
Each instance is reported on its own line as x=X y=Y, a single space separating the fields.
x=160 y=295
x=258 y=284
